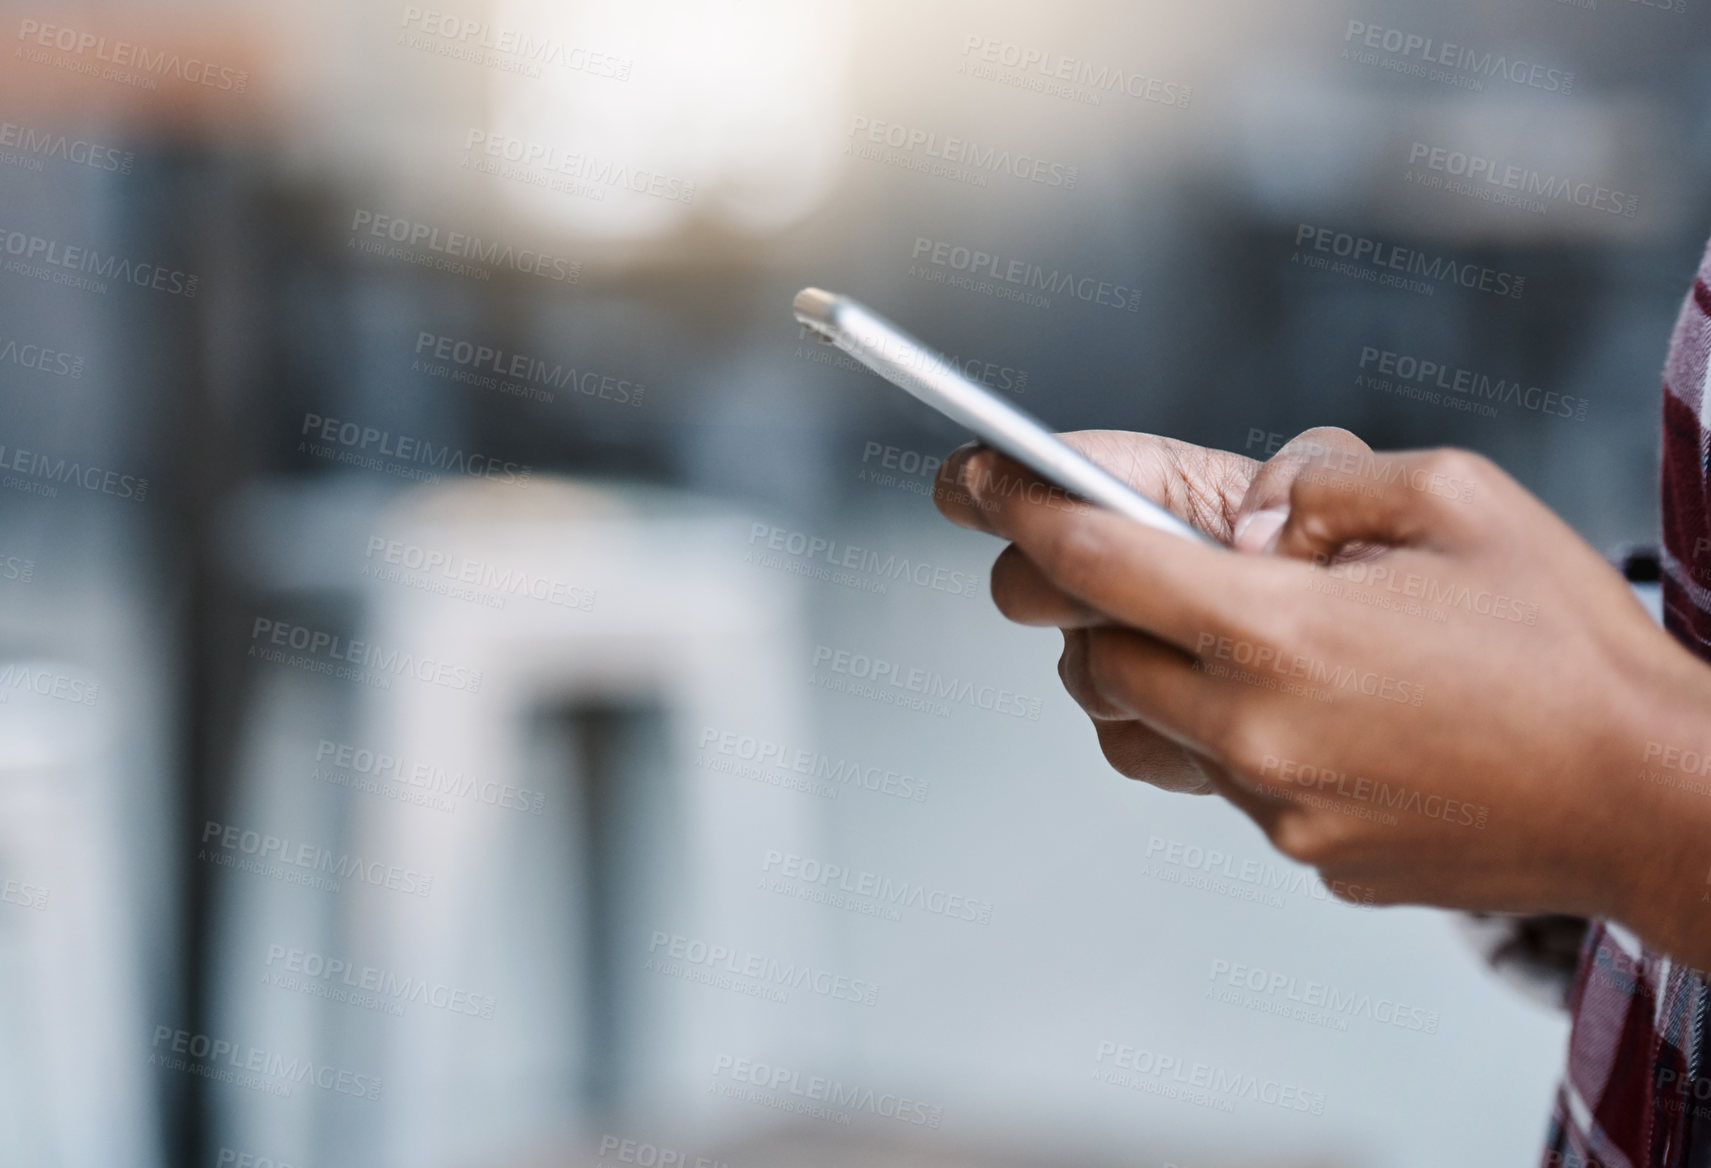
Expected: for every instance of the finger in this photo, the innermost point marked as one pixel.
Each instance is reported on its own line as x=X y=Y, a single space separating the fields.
x=1137 y=677
x=1024 y=595
x=1167 y=689
x=1132 y=747
x=1416 y=498
x=1175 y=588
x=977 y=484
x=1266 y=504
x=1221 y=727
x=1138 y=752
x=1078 y=681
x=953 y=499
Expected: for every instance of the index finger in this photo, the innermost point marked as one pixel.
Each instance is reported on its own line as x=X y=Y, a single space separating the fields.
x=1179 y=590
x=974 y=481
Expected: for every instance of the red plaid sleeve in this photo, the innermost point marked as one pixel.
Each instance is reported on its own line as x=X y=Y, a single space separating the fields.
x=1637 y=1091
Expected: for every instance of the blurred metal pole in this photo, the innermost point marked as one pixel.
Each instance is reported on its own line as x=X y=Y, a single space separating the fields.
x=214 y=364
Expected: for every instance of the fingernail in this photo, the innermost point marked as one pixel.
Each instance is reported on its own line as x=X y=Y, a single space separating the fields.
x=1257 y=531
x=973 y=470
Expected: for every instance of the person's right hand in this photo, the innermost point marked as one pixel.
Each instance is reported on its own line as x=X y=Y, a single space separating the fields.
x=1237 y=500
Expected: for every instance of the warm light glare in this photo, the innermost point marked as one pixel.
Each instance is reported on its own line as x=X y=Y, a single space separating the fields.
x=741 y=98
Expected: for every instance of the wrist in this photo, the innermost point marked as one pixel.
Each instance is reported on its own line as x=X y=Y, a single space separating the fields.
x=1658 y=785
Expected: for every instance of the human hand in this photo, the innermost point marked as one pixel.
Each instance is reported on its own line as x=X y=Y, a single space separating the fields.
x=1434 y=690
x=1235 y=499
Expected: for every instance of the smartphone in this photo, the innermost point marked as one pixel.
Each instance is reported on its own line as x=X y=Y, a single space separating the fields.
x=910 y=365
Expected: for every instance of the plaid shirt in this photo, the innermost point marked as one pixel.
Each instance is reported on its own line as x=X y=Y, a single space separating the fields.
x=1638 y=1087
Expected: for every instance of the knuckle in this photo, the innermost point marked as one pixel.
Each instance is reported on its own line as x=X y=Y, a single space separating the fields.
x=1244 y=743
x=1453 y=461
x=1326 y=841
x=1302 y=837
x=1453 y=472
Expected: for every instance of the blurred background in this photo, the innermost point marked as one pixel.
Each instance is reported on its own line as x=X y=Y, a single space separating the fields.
x=450 y=616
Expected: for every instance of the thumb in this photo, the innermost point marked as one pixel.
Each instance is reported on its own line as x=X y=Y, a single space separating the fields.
x=1391 y=500
x=1265 y=506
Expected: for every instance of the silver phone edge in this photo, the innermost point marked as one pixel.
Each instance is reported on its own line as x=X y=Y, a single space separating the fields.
x=821 y=311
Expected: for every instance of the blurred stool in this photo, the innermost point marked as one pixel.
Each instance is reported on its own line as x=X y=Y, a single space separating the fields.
x=541 y=663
